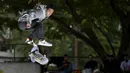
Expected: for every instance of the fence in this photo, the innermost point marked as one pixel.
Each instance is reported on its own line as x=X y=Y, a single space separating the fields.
x=12 y=54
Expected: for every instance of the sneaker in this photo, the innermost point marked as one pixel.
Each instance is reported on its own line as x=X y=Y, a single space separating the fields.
x=44 y=43
x=29 y=41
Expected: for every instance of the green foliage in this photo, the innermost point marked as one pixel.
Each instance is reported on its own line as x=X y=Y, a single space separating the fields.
x=91 y=13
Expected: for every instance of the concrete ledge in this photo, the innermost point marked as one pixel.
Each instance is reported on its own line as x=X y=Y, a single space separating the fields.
x=15 y=67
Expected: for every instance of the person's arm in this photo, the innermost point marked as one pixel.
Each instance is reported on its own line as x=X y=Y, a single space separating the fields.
x=39 y=6
x=61 y=67
x=22 y=12
x=121 y=66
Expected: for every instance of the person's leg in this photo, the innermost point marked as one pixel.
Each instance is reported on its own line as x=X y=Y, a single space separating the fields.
x=40 y=36
x=33 y=33
x=37 y=32
x=40 y=31
x=22 y=26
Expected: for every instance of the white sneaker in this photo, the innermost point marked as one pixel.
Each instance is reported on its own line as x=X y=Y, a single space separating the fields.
x=44 y=43
x=29 y=41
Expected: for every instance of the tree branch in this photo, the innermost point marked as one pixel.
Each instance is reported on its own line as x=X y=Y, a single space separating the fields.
x=96 y=42
x=72 y=11
x=116 y=9
x=106 y=36
x=71 y=31
x=98 y=48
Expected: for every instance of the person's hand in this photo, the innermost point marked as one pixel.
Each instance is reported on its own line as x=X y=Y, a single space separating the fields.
x=65 y=65
x=39 y=3
x=28 y=25
x=37 y=6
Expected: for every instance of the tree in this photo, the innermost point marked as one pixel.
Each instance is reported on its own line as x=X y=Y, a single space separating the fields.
x=95 y=22
x=124 y=15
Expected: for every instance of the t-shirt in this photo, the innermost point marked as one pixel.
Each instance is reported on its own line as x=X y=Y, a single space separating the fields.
x=91 y=64
x=65 y=65
x=125 y=65
x=33 y=14
x=40 y=13
x=111 y=66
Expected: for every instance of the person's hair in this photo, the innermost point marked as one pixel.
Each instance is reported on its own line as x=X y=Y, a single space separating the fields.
x=110 y=55
x=89 y=55
x=65 y=55
x=52 y=6
x=126 y=55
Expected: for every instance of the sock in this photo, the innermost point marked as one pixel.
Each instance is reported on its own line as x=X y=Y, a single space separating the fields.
x=29 y=38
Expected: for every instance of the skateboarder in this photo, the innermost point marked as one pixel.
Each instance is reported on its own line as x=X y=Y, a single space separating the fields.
x=32 y=20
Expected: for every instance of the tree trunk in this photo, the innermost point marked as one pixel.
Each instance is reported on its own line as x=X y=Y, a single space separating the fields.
x=124 y=17
x=125 y=38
